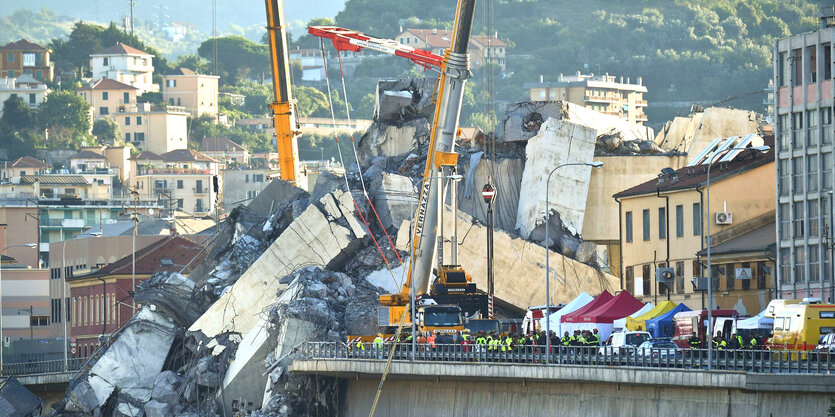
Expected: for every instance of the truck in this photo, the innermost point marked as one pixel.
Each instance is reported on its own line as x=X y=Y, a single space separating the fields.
x=799 y=327
x=688 y=323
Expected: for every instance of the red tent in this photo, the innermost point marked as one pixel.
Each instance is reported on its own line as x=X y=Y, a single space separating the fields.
x=620 y=306
x=599 y=301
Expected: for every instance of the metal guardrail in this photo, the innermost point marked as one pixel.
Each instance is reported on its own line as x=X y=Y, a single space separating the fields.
x=41 y=367
x=757 y=361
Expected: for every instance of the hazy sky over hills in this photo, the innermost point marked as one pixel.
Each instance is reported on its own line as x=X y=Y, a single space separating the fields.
x=242 y=13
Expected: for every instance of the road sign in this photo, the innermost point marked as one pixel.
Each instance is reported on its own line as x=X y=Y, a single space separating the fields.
x=488 y=193
x=743 y=273
x=72 y=350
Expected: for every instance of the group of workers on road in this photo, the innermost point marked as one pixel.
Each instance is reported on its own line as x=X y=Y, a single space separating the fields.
x=735 y=342
x=490 y=341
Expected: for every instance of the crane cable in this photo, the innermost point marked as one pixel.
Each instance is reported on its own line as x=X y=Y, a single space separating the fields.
x=345 y=174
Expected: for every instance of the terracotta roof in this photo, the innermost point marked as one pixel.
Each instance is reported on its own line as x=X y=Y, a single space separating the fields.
x=146 y=156
x=22 y=45
x=53 y=179
x=87 y=155
x=169 y=254
x=27 y=162
x=121 y=49
x=696 y=176
x=183 y=155
x=182 y=71
x=220 y=144
x=107 y=84
x=441 y=38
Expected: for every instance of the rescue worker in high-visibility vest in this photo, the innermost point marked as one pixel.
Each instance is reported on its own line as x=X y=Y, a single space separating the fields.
x=565 y=340
x=740 y=343
x=508 y=342
x=360 y=348
x=594 y=339
x=481 y=342
x=694 y=342
x=521 y=342
x=378 y=345
x=465 y=334
x=718 y=342
x=493 y=343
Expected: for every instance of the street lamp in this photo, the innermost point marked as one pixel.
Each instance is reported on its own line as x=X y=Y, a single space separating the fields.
x=593 y=164
x=24 y=245
x=762 y=149
x=454 y=177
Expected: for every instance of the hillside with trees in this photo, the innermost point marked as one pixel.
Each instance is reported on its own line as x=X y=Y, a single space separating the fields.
x=695 y=51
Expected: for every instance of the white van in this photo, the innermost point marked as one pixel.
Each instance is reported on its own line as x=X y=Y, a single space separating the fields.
x=620 y=342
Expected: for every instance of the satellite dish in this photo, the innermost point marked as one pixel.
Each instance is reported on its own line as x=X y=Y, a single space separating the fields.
x=150 y=212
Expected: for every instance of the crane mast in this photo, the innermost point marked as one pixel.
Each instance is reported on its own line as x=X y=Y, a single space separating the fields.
x=283 y=106
x=442 y=157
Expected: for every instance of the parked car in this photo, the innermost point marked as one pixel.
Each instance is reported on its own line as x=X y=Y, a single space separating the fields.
x=658 y=348
x=621 y=343
x=826 y=346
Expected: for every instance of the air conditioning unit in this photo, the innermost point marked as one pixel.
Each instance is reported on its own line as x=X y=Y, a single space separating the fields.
x=724 y=217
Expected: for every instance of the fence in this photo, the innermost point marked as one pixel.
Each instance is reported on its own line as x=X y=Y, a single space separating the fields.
x=759 y=361
x=41 y=367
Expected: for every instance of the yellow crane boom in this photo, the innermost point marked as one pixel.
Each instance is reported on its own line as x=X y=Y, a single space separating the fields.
x=283 y=106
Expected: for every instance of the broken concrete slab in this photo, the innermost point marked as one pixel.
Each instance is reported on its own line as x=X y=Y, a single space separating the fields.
x=394 y=199
x=558 y=142
x=315 y=238
x=128 y=410
x=506 y=176
x=134 y=358
x=17 y=401
x=520 y=267
x=165 y=388
x=522 y=121
x=157 y=409
x=403 y=99
x=693 y=133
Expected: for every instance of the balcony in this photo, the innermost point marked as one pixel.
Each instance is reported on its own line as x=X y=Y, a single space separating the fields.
x=601 y=99
x=200 y=191
x=640 y=103
x=64 y=223
x=173 y=171
x=200 y=210
x=641 y=118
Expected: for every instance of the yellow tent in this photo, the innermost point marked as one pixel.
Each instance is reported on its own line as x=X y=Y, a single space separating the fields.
x=639 y=323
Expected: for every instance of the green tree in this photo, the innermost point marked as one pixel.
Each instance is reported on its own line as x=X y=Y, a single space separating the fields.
x=66 y=117
x=106 y=130
x=193 y=62
x=310 y=101
x=238 y=58
x=17 y=115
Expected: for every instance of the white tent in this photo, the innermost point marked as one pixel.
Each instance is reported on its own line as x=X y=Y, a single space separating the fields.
x=575 y=304
x=760 y=321
x=620 y=324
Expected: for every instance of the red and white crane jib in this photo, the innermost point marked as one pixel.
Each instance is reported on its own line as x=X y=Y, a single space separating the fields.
x=351 y=40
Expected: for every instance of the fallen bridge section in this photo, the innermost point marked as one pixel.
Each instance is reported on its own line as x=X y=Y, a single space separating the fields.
x=456 y=389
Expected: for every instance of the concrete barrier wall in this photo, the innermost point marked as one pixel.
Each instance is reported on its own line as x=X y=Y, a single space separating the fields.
x=461 y=398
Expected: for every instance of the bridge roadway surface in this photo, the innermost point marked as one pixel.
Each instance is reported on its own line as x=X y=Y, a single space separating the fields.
x=463 y=388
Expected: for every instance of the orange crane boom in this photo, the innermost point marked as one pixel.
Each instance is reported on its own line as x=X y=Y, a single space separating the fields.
x=283 y=106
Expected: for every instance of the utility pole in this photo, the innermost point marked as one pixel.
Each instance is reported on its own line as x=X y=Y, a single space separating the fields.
x=489 y=195
x=133 y=251
x=132 y=3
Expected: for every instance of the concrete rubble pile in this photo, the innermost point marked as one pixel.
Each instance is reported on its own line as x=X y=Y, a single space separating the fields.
x=274 y=276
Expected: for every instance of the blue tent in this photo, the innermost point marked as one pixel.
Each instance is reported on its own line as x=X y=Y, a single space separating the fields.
x=663 y=325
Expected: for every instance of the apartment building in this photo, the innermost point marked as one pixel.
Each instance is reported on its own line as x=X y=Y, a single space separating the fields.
x=182 y=179
x=125 y=64
x=483 y=49
x=803 y=103
x=154 y=129
x=30 y=90
x=24 y=57
x=605 y=93
x=197 y=93
x=108 y=97
x=25 y=165
x=663 y=223
x=242 y=184
x=225 y=151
